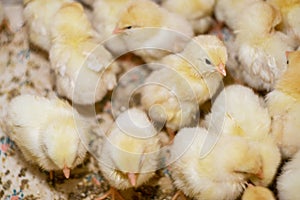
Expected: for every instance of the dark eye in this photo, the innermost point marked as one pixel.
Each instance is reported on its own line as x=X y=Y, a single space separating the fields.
x=207 y=61
x=287 y=62
x=128 y=27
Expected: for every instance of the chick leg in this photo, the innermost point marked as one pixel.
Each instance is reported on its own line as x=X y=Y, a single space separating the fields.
x=171 y=134
x=179 y=194
x=113 y=193
x=217 y=30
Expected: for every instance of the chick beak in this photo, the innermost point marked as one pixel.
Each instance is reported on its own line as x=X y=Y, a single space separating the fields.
x=287 y=54
x=260 y=174
x=117 y=30
x=66 y=171
x=132 y=178
x=221 y=69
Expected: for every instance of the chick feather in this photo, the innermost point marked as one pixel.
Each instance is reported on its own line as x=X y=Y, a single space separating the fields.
x=49 y=132
x=204 y=161
x=185 y=81
x=284 y=107
x=84 y=68
x=257 y=192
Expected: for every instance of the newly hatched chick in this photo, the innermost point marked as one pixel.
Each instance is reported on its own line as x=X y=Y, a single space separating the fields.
x=290 y=12
x=238 y=111
x=49 y=132
x=130 y=153
x=162 y=33
x=228 y=11
x=39 y=15
x=212 y=168
x=173 y=93
x=288 y=183
x=83 y=66
x=197 y=12
x=257 y=193
x=284 y=107
x=261 y=48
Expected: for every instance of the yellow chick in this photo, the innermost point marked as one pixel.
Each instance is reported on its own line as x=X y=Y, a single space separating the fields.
x=284 y=107
x=260 y=48
x=229 y=11
x=197 y=12
x=238 y=111
x=39 y=15
x=173 y=93
x=204 y=161
x=162 y=33
x=83 y=66
x=257 y=193
x=130 y=153
x=288 y=183
x=290 y=12
x=49 y=132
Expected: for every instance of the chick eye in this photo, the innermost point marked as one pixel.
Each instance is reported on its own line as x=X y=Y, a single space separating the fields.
x=128 y=27
x=287 y=62
x=207 y=61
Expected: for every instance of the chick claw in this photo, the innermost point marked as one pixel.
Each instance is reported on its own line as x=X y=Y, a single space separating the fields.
x=113 y=193
x=179 y=194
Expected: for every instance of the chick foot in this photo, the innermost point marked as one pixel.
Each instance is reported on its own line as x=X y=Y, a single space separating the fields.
x=179 y=194
x=113 y=193
x=217 y=30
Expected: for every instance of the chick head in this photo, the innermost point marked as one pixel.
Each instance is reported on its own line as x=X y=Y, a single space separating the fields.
x=289 y=82
x=139 y=14
x=257 y=192
x=211 y=54
x=62 y=143
x=134 y=146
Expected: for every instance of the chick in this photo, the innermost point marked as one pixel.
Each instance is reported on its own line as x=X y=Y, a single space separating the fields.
x=290 y=12
x=83 y=66
x=197 y=12
x=162 y=33
x=174 y=92
x=130 y=153
x=288 y=183
x=257 y=192
x=39 y=15
x=204 y=162
x=49 y=132
x=284 y=107
x=261 y=48
x=238 y=111
x=228 y=11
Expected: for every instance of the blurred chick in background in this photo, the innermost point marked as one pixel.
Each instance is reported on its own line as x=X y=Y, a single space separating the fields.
x=185 y=81
x=147 y=14
x=130 y=153
x=290 y=12
x=49 y=132
x=261 y=48
x=284 y=107
x=204 y=162
x=288 y=183
x=257 y=193
x=83 y=66
x=39 y=15
x=197 y=12
x=238 y=111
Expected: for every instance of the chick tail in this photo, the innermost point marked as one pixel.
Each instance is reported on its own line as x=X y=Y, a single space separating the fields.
x=66 y=171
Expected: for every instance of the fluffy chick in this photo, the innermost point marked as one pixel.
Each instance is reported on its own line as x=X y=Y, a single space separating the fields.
x=147 y=14
x=284 y=107
x=228 y=11
x=257 y=192
x=130 y=153
x=39 y=15
x=204 y=162
x=290 y=12
x=197 y=12
x=173 y=93
x=261 y=48
x=288 y=182
x=83 y=66
x=49 y=133
x=238 y=111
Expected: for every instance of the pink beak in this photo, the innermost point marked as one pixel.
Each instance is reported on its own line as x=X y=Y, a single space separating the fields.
x=221 y=69
x=117 y=30
x=66 y=171
x=132 y=178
